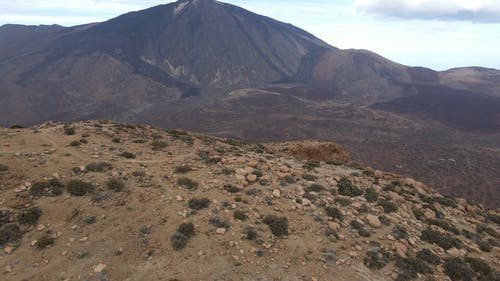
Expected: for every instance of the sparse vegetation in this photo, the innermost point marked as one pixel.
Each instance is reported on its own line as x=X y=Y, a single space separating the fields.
x=29 y=216
x=389 y=206
x=69 y=131
x=184 y=169
x=334 y=213
x=411 y=267
x=186 y=228
x=250 y=233
x=307 y=177
x=99 y=167
x=219 y=222
x=199 y=203
x=115 y=185
x=277 y=225
x=179 y=241
x=52 y=187
x=314 y=188
x=457 y=269
x=3 y=168
x=429 y=256
x=240 y=215
x=311 y=165
x=188 y=183
x=127 y=155
x=443 y=241
x=158 y=145
x=377 y=258
x=10 y=233
x=346 y=188
x=231 y=188
x=371 y=195
x=44 y=241
x=79 y=188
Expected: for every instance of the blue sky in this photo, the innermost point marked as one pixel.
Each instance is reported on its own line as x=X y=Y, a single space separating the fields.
x=439 y=34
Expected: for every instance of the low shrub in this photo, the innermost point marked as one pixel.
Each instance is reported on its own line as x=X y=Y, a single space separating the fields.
x=184 y=169
x=343 y=201
x=74 y=143
x=307 y=177
x=4 y=168
x=240 y=215
x=412 y=267
x=457 y=269
x=187 y=183
x=310 y=165
x=314 y=188
x=158 y=145
x=10 y=233
x=346 y=188
x=186 y=228
x=127 y=155
x=44 y=241
x=479 y=266
x=429 y=256
x=444 y=225
x=219 y=222
x=250 y=233
x=231 y=188
x=377 y=258
x=115 y=184
x=371 y=195
x=99 y=167
x=388 y=206
x=443 y=241
x=79 y=188
x=277 y=225
x=29 y=216
x=334 y=213
x=179 y=241
x=447 y=201
x=199 y=203
x=69 y=131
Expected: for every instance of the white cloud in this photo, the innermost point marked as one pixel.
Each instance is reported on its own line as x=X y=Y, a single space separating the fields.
x=464 y=10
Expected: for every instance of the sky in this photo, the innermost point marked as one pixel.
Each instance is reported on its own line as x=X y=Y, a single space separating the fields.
x=439 y=34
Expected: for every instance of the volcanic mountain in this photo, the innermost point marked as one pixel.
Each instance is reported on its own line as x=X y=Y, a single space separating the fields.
x=213 y=67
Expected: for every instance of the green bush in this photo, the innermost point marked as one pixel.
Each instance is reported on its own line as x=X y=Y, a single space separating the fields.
x=10 y=233
x=439 y=239
x=115 y=185
x=186 y=228
x=52 y=187
x=44 y=241
x=79 y=188
x=38 y=188
x=310 y=165
x=4 y=216
x=199 y=203
x=400 y=232
x=343 y=201
x=74 y=143
x=371 y=195
x=389 y=206
x=412 y=267
x=184 y=169
x=429 y=256
x=29 y=216
x=99 y=167
x=277 y=225
x=240 y=215
x=346 y=188
x=457 y=269
x=179 y=241
x=334 y=213
x=447 y=201
x=127 y=155
x=187 y=183
x=362 y=231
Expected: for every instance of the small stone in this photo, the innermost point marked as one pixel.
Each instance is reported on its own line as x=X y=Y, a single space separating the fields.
x=8 y=250
x=276 y=193
x=454 y=252
x=84 y=239
x=220 y=231
x=99 y=268
x=333 y=225
x=429 y=214
x=251 y=178
x=8 y=269
x=40 y=227
x=179 y=198
x=373 y=221
x=400 y=248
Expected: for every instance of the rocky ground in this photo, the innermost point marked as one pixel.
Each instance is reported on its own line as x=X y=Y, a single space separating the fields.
x=104 y=201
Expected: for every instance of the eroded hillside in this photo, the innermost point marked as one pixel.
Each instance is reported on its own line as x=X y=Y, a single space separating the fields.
x=106 y=201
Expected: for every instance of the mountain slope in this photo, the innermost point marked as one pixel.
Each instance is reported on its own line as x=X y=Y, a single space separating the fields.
x=98 y=200
x=213 y=67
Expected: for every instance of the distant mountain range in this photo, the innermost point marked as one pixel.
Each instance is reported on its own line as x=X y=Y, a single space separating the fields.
x=208 y=66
